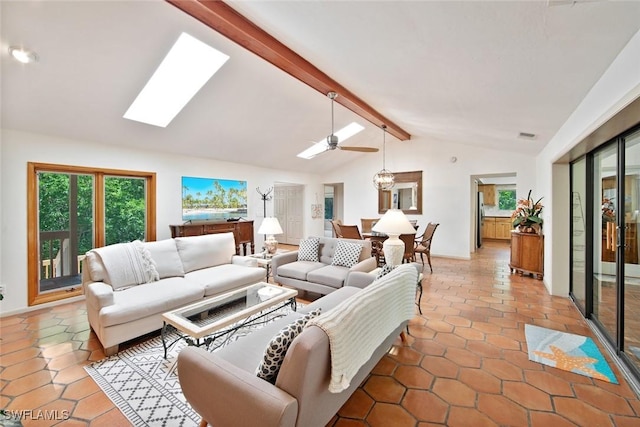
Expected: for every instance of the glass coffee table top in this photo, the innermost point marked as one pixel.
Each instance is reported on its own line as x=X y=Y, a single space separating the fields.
x=215 y=313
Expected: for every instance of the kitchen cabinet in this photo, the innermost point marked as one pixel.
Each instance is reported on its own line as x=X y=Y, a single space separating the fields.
x=527 y=254
x=489 y=192
x=489 y=228
x=503 y=228
x=496 y=228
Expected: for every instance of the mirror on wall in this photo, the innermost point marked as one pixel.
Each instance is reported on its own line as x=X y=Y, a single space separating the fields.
x=406 y=194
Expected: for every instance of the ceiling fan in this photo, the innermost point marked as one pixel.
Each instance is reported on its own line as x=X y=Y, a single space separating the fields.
x=332 y=141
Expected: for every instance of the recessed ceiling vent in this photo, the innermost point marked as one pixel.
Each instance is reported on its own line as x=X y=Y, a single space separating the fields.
x=526 y=135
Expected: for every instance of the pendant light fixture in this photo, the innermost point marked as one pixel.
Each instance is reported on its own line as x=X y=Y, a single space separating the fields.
x=384 y=179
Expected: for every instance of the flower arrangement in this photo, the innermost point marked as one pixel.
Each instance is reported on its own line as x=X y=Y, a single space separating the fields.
x=608 y=210
x=527 y=213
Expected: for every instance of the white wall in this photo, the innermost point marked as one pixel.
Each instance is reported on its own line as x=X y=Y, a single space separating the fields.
x=18 y=148
x=446 y=187
x=617 y=87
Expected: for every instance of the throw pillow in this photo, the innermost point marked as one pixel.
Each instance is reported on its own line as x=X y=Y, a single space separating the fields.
x=346 y=254
x=309 y=249
x=386 y=269
x=277 y=349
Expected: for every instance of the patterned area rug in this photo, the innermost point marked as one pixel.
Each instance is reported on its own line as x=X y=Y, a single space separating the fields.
x=144 y=385
x=570 y=352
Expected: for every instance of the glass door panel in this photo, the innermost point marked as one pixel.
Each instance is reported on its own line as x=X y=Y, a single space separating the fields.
x=125 y=209
x=605 y=244
x=578 y=233
x=65 y=228
x=631 y=344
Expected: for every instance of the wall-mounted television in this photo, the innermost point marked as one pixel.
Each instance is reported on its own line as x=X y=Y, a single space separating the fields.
x=205 y=199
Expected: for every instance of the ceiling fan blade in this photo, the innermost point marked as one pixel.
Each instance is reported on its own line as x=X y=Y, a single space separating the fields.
x=360 y=149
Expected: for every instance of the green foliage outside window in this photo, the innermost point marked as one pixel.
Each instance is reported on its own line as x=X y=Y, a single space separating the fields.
x=507 y=200
x=125 y=209
x=328 y=208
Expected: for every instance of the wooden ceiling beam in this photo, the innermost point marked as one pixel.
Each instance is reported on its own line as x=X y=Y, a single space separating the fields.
x=228 y=22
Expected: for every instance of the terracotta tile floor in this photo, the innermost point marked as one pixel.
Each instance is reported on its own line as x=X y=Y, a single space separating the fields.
x=465 y=363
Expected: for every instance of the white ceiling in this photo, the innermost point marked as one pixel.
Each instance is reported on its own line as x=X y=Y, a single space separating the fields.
x=470 y=72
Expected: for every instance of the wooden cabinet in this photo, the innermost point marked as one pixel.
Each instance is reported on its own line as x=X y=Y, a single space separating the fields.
x=610 y=243
x=489 y=192
x=242 y=232
x=489 y=228
x=503 y=228
x=527 y=254
x=496 y=228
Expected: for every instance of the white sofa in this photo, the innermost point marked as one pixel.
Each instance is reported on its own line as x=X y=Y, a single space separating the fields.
x=186 y=268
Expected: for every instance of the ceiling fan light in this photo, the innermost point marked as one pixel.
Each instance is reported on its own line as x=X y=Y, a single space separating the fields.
x=384 y=180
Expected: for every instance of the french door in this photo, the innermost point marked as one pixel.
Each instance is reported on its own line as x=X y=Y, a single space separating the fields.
x=74 y=209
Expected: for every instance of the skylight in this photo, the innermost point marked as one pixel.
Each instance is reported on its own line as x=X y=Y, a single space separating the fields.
x=187 y=67
x=322 y=146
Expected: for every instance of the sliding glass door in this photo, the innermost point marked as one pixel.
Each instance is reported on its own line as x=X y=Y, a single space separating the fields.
x=630 y=295
x=605 y=246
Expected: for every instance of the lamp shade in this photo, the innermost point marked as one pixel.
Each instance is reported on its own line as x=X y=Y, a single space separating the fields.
x=394 y=221
x=270 y=226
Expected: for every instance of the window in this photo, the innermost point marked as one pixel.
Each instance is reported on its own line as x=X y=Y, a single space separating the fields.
x=507 y=200
x=74 y=209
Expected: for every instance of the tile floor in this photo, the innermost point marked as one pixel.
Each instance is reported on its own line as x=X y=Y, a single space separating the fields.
x=465 y=363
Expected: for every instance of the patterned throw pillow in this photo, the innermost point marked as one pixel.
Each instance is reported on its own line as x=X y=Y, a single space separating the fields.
x=309 y=249
x=346 y=254
x=277 y=348
x=386 y=269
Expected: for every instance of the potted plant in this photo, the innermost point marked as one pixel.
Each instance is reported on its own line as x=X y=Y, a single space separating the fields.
x=527 y=216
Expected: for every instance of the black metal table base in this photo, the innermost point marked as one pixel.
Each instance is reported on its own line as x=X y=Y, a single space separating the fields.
x=210 y=339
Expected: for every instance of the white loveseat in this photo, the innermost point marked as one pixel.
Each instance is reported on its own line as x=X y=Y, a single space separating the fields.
x=180 y=271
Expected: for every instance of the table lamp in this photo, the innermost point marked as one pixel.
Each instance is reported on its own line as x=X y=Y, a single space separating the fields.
x=270 y=226
x=393 y=223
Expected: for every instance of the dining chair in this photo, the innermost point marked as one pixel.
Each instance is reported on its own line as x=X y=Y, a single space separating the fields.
x=335 y=224
x=423 y=247
x=350 y=232
x=409 y=247
x=367 y=224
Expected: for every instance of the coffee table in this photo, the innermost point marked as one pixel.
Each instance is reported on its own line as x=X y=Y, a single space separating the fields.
x=201 y=323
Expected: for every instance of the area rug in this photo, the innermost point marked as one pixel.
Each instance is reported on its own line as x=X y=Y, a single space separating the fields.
x=144 y=385
x=570 y=352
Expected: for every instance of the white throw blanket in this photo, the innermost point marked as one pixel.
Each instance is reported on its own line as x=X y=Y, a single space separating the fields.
x=359 y=324
x=128 y=264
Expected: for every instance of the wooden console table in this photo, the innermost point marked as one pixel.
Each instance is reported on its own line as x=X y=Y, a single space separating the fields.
x=242 y=232
x=527 y=253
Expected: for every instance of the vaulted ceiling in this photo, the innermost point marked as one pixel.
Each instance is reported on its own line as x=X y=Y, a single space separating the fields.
x=470 y=72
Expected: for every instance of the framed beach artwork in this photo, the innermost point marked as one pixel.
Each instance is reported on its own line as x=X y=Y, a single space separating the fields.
x=207 y=199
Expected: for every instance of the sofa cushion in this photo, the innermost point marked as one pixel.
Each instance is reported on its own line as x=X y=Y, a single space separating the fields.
x=97 y=270
x=149 y=299
x=309 y=249
x=298 y=269
x=278 y=346
x=328 y=247
x=346 y=254
x=330 y=275
x=165 y=255
x=198 y=252
x=246 y=353
x=222 y=278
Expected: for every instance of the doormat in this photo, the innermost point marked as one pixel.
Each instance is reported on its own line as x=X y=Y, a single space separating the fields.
x=570 y=352
x=144 y=385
